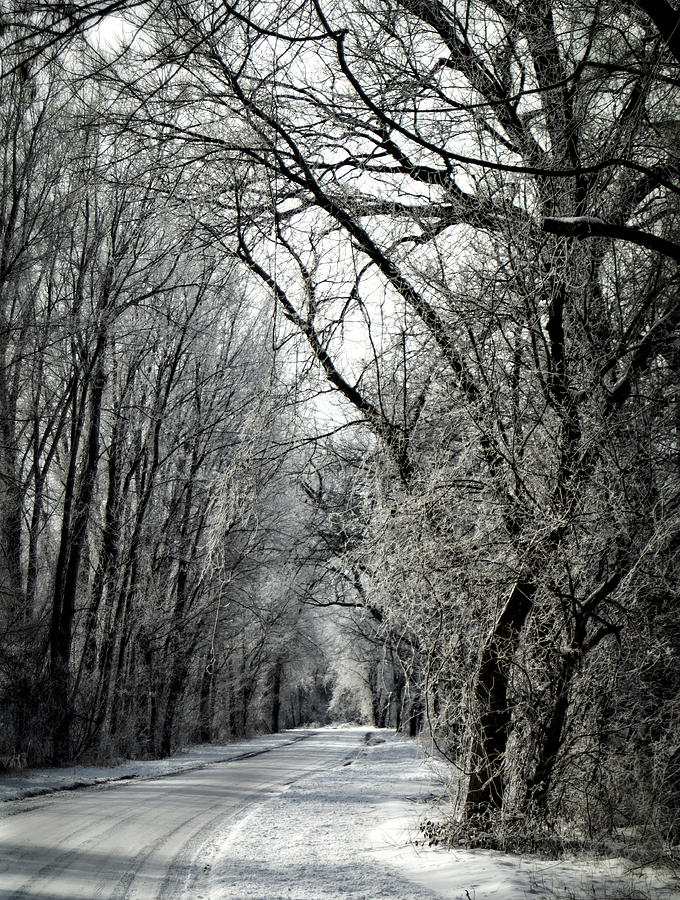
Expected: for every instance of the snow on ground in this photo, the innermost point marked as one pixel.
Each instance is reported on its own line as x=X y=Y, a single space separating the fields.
x=42 y=781
x=348 y=832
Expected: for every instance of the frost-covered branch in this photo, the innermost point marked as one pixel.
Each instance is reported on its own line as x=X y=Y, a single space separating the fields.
x=592 y=226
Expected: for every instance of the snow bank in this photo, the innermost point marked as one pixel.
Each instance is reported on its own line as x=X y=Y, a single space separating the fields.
x=34 y=782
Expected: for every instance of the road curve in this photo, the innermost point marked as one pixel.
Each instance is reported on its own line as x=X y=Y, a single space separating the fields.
x=149 y=839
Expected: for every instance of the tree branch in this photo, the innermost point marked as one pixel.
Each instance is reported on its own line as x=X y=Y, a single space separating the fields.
x=592 y=226
x=666 y=20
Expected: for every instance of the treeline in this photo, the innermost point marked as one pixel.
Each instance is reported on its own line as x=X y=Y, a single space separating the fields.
x=145 y=517
x=463 y=215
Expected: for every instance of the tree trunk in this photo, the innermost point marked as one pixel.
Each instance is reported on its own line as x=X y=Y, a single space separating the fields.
x=77 y=503
x=11 y=509
x=485 y=787
x=276 y=695
x=551 y=742
x=176 y=684
x=206 y=699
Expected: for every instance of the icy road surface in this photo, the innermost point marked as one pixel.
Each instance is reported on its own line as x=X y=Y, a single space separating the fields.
x=147 y=839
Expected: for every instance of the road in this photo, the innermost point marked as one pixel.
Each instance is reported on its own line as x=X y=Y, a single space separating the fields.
x=149 y=839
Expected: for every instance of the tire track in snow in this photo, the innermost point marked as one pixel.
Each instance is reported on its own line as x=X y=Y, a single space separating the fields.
x=61 y=862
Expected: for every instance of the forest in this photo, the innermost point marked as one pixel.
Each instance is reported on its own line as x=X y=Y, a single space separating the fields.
x=339 y=351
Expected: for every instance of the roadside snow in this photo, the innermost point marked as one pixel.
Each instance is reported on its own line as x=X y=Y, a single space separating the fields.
x=44 y=781
x=348 y=832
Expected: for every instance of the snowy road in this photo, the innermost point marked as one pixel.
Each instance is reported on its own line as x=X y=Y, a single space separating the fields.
x=278 y=821
x=155 y=838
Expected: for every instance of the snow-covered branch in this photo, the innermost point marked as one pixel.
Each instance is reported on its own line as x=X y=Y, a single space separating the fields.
x=592 y=226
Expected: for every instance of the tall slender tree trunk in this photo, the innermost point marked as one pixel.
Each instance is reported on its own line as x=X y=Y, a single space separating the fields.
x=77 y=503
x=206 y=701
x=11 y=581
x=276 y=695
x=178 y=667
x=176 y=645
